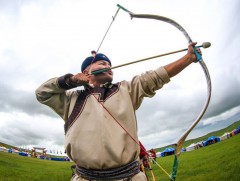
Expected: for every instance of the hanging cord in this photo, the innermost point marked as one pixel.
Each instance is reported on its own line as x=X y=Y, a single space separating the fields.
x=137 y=142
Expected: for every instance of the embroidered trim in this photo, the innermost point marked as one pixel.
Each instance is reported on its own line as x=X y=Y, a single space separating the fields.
x=104 y=94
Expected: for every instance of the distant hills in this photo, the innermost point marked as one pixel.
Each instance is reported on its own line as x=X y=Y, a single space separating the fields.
x=202 y=138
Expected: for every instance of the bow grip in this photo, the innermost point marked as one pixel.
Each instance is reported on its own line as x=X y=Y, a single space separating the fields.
x=198 y=56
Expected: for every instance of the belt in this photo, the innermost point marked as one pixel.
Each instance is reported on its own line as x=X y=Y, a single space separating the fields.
x=125 y=171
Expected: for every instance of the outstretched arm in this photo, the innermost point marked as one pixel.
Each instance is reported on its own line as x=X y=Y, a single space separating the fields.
x=176 y=67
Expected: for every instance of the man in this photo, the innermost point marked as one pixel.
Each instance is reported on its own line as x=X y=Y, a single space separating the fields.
x=100 y=121
x=143 y=156
x=153 y=155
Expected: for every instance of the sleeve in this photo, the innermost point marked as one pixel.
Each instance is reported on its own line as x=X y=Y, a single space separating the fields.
x=54 y=94
x=146 y=85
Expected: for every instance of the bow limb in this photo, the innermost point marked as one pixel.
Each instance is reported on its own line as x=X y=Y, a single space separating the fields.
x=179 y=144
x=164 y=19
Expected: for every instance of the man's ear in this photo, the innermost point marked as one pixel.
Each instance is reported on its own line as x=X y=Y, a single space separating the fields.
x=86 y=72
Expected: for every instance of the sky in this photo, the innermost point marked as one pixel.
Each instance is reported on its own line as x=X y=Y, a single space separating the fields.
x=42 y=39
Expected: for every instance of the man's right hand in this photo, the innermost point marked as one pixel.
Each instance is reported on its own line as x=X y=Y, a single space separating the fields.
x=79 y=79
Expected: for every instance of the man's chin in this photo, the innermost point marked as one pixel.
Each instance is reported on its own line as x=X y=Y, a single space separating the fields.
x=109 y=77
x=110 y=80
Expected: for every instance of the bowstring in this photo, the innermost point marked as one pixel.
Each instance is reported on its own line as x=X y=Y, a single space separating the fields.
x=113 y=18
x=137 y=142
x=95 y=52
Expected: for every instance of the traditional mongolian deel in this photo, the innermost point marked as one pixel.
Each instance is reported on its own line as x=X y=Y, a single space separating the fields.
x=93 y=140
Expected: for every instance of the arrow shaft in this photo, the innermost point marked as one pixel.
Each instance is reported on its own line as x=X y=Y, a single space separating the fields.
x=136 y=61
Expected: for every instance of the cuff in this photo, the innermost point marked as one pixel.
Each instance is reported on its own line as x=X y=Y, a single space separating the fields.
x=62 y=82
x=162 y=73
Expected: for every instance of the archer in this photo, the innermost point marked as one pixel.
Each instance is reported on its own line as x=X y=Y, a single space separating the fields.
x=100 y=121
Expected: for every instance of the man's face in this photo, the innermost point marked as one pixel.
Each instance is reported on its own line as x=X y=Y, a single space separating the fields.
x=102 y=77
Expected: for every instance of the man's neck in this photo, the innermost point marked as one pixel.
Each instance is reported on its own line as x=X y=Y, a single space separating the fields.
x=94 y=85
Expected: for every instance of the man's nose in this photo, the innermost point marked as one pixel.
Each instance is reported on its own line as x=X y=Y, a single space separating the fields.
x=108 y=66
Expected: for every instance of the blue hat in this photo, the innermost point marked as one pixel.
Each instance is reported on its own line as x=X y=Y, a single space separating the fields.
x=89 y=60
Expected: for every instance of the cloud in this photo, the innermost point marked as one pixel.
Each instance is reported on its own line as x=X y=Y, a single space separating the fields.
x=13 y=100
x=223 y=116
x=21 y=129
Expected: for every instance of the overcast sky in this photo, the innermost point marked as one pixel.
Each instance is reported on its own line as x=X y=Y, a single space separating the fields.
x=42 y=39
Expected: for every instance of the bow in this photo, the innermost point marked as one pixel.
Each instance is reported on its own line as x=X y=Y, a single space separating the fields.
x=178 y=146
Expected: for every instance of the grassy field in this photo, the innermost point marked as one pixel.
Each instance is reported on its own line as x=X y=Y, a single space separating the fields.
x=18 y=168
x=218 y=162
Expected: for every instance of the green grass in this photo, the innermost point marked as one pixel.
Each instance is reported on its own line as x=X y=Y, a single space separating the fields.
x=18 y=168
x=218 y=162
